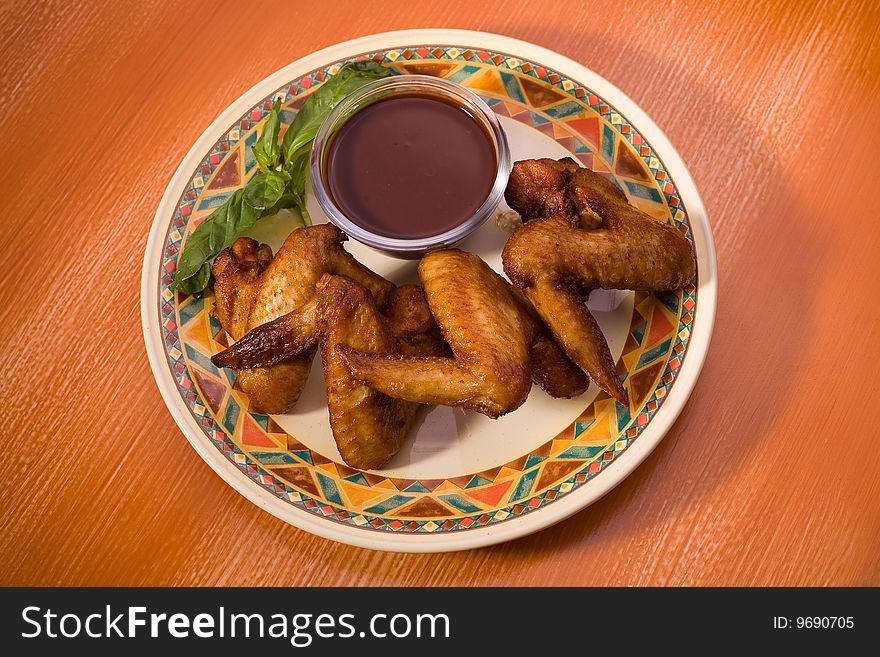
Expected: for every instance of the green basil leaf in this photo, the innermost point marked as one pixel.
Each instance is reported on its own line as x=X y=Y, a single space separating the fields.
x=303 y=211
x=266 y=149
x=214 y=234
x=195 y=284
x=287 y=200
x=270 y=190
x=265 y=189
x=299 y=174
x=305 y=125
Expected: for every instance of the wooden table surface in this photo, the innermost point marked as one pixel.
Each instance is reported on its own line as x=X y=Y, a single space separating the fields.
x=771 y=475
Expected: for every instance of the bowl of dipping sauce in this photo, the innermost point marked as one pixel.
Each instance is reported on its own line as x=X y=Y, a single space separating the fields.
x=410 y=163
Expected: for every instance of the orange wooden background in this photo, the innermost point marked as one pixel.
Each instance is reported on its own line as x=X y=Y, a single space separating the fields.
x=770 y=476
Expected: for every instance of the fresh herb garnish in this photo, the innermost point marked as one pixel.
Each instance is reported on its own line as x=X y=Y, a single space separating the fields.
x=280 y=183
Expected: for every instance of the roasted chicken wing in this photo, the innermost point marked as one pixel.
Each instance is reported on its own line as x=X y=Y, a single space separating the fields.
x=252 y=288
x=581 y=234
x=490 y=333
x=599 y=240
x=368 y=426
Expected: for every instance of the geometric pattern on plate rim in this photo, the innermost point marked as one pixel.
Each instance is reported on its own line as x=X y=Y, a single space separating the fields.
x=594 y=132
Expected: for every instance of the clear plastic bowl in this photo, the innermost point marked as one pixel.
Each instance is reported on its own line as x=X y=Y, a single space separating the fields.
x=408 y=85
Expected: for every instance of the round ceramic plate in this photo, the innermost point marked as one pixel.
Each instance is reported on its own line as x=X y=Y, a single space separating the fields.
x=461 y=480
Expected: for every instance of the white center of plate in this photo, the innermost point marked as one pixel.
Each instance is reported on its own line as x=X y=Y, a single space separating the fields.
x=448 y=442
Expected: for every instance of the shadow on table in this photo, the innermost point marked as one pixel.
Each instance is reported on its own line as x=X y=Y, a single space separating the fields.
x=747 y=376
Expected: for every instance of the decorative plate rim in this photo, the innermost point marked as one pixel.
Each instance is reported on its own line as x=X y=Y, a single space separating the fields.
x=563 y=507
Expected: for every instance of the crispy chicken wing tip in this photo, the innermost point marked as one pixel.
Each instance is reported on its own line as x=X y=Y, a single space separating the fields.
x=274 y=342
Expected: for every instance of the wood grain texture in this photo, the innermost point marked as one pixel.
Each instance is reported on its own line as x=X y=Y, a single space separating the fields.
x=770 y=476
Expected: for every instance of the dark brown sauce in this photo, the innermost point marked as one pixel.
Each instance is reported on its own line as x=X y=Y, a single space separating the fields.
x=410 y=167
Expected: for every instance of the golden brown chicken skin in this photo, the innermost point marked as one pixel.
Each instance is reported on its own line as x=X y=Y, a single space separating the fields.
x=409 y=317
x=537 y=189
x=555 y=372
x=491 y=337
x=251 y=288
x=237 y=278
x=564 y=310
x=368 y=426
x=581 y=234
x=406 y=314
x=628 y=251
